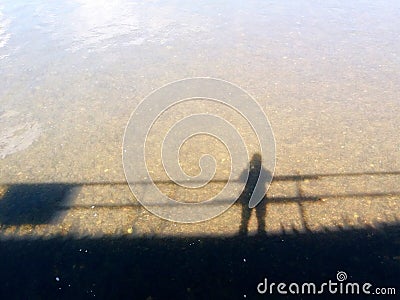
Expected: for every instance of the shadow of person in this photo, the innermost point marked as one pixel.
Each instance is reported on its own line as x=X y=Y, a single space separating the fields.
x=256 y=172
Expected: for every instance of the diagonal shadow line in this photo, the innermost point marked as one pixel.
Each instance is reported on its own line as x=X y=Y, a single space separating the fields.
x=224 y=201
x=299 y=177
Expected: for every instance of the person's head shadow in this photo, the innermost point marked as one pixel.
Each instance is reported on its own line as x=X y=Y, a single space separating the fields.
x=257 y=176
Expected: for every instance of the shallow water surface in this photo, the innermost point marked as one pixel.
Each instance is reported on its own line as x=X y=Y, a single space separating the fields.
x=327 y=74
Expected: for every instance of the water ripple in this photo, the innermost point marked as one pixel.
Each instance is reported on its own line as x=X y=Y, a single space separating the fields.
x=4 y=33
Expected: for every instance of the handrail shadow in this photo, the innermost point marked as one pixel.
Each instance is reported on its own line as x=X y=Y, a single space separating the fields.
x=45 y=203
x=177 y=267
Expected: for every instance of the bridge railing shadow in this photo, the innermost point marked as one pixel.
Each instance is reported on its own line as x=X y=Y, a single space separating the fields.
x=179 y=267
x=45 y=203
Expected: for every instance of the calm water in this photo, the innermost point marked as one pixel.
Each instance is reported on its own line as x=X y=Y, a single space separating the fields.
x=327 y=73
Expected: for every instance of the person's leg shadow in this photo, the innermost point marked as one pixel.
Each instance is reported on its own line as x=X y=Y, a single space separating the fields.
x=246 y=214
x=261 y=211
